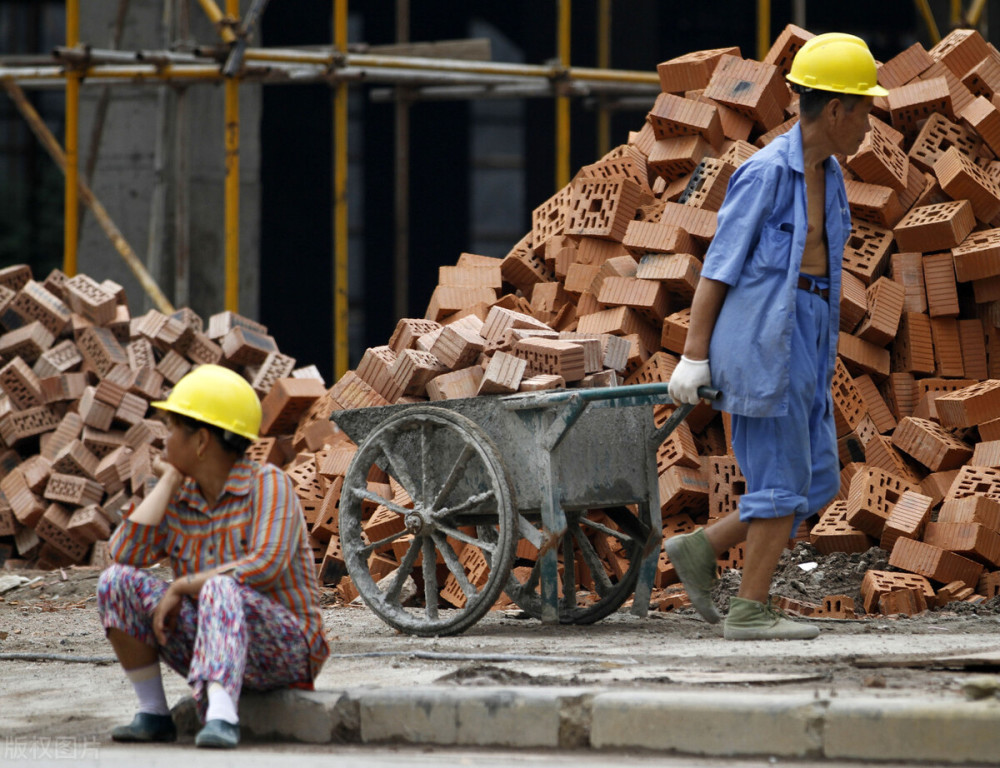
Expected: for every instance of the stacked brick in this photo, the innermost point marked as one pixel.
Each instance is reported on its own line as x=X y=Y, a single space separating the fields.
x=598 y=293
x=77 y=435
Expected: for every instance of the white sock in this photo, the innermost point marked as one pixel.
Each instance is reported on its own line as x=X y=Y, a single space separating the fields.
x=220 y=705
x=149 y=688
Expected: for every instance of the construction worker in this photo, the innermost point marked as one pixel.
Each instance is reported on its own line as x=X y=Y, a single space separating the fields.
x=764 y=324
x=242 y=609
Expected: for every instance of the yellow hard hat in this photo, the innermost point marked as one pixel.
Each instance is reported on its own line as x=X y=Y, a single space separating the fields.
x=216 y=396
x=836 y=62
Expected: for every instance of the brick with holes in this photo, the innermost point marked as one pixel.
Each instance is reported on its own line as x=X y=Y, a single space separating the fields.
x=874 y=203
x=907 y=269
x=879 y=160
x=872 y=494
x=28 y=342
x=934 y=563
x=971 y=509
x=877 y=583
x=936 y=227
x=977 y=256
x=961 y=178
x=754 y=89
x=866 y=254
x=692 y=70
x=914 y=102
x=936 y=136
x=832 y=533
x=673 y=116
x=907 y=519
x=971 y=540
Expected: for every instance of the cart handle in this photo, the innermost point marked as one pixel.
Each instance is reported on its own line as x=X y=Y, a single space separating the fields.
x=577 y=401
x=680 y=413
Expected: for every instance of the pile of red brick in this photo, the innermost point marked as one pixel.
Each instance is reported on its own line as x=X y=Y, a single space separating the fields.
x=598 y=294
x=77 y=374
x=615 y=256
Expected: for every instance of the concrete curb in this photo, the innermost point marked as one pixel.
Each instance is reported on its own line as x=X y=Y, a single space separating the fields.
x=708 y=723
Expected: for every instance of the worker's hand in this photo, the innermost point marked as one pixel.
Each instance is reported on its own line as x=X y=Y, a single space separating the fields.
x=686 y=379
x=165 y=615
x=167 y=472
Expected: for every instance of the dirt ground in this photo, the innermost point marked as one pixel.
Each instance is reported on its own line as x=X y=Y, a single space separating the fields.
x=57 y=672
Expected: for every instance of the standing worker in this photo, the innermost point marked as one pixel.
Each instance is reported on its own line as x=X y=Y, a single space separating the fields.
x=764 y=324
x=242 y=610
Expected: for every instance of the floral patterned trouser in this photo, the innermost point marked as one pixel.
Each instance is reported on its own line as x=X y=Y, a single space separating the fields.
x=231 y=634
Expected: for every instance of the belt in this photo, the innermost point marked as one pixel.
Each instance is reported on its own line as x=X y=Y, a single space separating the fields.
x=808 y=285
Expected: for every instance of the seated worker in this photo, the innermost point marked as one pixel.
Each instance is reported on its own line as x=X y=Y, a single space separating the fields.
x=242 y=609
x=766 y=313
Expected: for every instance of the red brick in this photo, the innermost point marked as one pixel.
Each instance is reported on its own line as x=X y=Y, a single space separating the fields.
x=877 y=583
x=915 y=101
x=971 y=405
x=866 y=254
x=879 y=160
x=853 y=302
x=971 y=540
x=961 y=179
x=861 y=356
x=934 y=563
x=935 y=227
x=936 y=136
x=872 y=495
x=908 y=518
x=834 y=534
x=763 y=101
x=960 y=50
x=692 y=70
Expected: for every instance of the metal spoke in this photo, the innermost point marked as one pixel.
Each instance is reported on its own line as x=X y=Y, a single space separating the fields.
x=398 y=467
x=456 y=534
x=536 y=572
x=451 y=560
x=392 y=594
x=472 y=501
x=424 y=454
x=593 y=561
x=569 y=573
x=364 y=493
x=622 y=537
x=369 y=548
x=454 y=474
x=429 y=567
x=528 y=531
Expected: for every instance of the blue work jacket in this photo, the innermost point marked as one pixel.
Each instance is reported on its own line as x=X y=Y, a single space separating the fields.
x=757 y=251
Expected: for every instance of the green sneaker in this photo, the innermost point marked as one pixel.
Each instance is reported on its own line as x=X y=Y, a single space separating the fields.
x=750 y=620
x=694 y=559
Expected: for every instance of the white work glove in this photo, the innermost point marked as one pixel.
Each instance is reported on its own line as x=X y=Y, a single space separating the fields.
x=686 y=379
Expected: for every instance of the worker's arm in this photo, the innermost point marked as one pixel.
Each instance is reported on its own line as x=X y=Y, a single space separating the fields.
x=152 y=508
x=140 y=539
x=705 y=308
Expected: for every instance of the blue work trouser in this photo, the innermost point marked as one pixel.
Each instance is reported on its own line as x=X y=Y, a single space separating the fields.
x=790 y=462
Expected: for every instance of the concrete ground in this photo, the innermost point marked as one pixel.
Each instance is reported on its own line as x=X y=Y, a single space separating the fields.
x=877 y=689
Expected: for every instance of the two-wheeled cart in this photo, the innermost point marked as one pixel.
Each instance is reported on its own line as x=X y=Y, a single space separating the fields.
x=550 y=496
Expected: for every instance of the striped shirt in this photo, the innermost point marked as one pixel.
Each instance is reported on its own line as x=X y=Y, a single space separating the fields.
x=256 y=526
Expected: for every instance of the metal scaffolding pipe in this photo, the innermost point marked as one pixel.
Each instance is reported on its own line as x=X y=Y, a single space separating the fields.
x=71 y=200
x=924 y=9
x=562 y=101
x=341 y=306
x=603 y=62
x=763 y=28
x=221 y=23
x=232 y=195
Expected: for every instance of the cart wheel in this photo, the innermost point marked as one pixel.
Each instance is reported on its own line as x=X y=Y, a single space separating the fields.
x=592 y=586
x=450 y=523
